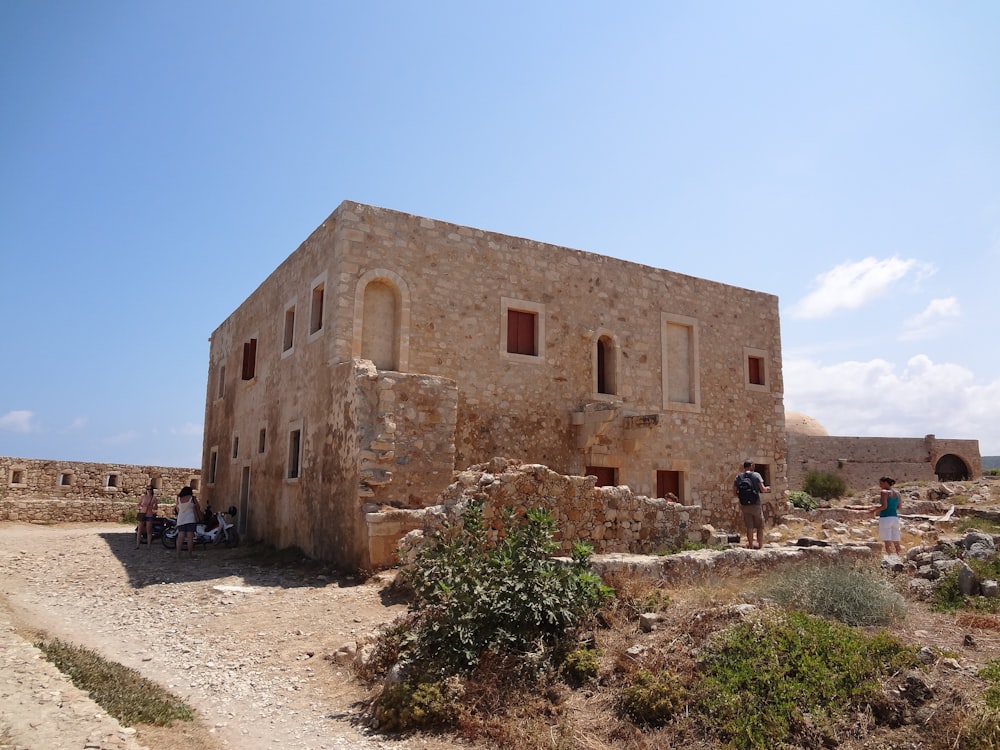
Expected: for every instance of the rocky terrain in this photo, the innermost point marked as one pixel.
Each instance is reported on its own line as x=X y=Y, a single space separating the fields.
x=253 y=646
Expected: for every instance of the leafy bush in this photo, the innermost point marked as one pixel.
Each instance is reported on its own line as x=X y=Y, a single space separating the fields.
x=802 y=500
x=652 y=700
x=476 y=594
x=489 y=609
x=762 y=675
x=824 y=485
x=851 y=594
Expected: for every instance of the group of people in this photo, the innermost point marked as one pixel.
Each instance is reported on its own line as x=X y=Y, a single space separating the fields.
x=889 y=528
x=186 y=510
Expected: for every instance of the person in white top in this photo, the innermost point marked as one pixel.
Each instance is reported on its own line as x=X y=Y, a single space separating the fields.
x=186 y=508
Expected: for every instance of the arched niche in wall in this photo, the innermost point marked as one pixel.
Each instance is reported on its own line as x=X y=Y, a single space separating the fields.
x=951 y=468
x=382 y=320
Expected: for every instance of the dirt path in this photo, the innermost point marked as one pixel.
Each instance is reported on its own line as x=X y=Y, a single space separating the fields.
x=250 y=647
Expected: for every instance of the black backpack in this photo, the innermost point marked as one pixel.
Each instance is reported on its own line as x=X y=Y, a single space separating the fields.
x=746 y=488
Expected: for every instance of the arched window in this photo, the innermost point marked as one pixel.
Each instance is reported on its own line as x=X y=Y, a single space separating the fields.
x=607 y=366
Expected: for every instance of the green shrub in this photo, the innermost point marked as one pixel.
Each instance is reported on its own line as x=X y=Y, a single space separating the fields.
x=477 y=594
x=824 y=485
x=763 y=674
x=948 y=597
x=802 y=500
x=581 y=664
x=130 y=515
x=421 y=705
x=652 y=699
x=851 y=594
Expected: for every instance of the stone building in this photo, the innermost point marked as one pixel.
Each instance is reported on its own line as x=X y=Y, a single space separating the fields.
x=860 y=461
x=390 y=351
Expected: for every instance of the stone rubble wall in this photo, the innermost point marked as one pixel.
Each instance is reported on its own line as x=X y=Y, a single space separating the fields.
x=45 y=491
x=610 y=519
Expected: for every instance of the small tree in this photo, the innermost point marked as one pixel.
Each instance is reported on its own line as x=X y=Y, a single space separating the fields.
x=505 y=596
x=824 y=485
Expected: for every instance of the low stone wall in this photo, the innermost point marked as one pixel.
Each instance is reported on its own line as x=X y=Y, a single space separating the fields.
x=56 y=510
x=860 y=461
x=611 y=519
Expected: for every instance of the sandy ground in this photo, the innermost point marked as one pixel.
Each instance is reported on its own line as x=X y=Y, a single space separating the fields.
x=249 y=646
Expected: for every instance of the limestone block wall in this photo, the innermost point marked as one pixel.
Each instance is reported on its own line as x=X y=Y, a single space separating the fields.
x=611 y=519
x=860 y=461
x=45 y=490
x=406 y=428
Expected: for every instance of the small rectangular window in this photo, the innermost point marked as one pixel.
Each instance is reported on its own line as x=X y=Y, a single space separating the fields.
x=213 y=465
x=294 y=453
x=236 y=446
x=521 y=332
x=668 y=483
x=222 y=382
x=66 y=479
x=755 y=369
x=289 y=338
x=262 y=440
x=316 y=311
x=607 y=476
x=112 y=480
x=250 y=359
x=17 y=476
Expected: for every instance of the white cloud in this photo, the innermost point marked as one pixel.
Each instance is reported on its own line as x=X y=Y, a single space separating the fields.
x=19 y=420
x=854 y=284
x=873 y=399
x=934 y=320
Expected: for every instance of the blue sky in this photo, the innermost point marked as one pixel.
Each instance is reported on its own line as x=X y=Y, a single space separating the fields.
x=159 y=159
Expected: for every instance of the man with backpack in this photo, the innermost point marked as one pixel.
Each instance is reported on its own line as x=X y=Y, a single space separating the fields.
x=747 y=488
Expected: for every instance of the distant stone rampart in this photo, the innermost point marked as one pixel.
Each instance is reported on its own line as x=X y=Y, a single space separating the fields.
x=46 y=491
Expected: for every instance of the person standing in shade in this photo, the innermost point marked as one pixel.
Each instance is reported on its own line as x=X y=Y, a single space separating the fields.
x=186 y=510
x=148 y=508
x=747 y=488
x=890 y=531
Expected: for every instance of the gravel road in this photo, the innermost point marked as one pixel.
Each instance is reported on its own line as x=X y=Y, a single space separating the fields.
x=248 y=645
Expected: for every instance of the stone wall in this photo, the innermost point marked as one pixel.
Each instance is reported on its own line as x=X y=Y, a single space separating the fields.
x=860 y=461
x=44 y=490
x=611 y=519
